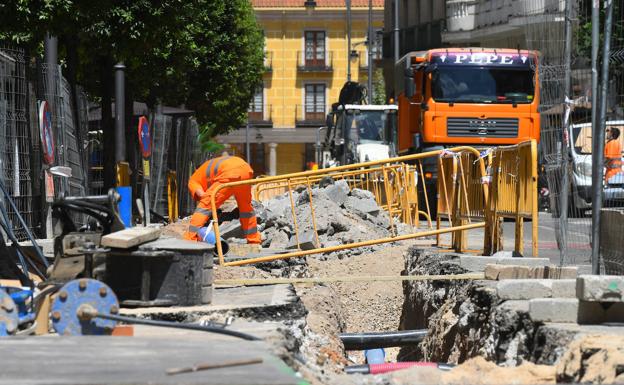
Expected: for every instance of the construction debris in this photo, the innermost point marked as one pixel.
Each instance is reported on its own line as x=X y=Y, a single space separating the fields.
x=340 y=215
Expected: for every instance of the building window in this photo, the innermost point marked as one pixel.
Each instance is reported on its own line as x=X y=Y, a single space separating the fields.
x=256 y=107
x=314 y=101
x=314 y=48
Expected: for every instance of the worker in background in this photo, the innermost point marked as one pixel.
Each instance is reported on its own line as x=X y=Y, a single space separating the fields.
x=613 y=153
x=203 y=186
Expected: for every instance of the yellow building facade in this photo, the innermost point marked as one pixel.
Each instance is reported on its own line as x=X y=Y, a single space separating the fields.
x=308 y=60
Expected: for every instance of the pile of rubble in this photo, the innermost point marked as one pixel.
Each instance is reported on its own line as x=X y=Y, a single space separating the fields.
x=341 y=216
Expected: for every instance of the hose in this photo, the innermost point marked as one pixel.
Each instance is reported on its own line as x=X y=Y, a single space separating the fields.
x=175 y=325
x=363 y=341
x=392 y=366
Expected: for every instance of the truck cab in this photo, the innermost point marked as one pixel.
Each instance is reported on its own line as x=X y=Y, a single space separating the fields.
x=467 y=96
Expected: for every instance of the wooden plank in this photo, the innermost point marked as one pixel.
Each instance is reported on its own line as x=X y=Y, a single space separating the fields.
x=131 y=237
x=42 y=318
x=137 y=360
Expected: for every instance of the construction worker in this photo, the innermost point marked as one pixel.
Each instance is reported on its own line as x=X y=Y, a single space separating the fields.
x=203 y=186
x=613 y=153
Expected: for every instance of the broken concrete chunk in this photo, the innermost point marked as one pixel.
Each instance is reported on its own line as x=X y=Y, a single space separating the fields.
x=336 y=194
x=362 y=194
x=279 y=240
x=307 y=241
x=600 y=288
x=361 y=207
x=131 y=237
x=231 y=229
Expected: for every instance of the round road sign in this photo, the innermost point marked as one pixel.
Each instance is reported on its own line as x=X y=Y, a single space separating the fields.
x=145 y=139
x=45 y=132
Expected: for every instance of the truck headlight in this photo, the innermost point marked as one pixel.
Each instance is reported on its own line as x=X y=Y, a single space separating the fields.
x=584 y=168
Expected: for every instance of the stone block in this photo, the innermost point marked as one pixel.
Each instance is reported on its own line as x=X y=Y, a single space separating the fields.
x=600 y=288
x=307 y=241
x=478 y=263
x=564 y=288
x=518 y=289
x=554 y=309
x=591 y=313
x=611 y=229
x=500 y=272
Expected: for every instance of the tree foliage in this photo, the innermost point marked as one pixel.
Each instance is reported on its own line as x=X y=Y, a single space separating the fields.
x=205 y=54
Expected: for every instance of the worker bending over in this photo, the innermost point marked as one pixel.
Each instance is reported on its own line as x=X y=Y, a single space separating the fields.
x=203 y=186
x=613 y=153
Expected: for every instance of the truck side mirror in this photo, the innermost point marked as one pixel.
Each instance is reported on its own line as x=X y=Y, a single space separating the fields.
x=410 y=87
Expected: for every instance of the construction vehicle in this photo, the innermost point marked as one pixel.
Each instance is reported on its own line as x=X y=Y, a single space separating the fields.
x=479 y=97
x=357 y=132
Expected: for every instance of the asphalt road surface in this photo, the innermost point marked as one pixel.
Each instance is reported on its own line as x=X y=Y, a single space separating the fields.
x=579 y=248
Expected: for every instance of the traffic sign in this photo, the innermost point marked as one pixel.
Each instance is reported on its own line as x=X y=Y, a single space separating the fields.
x=145 y=138
x=45 y=132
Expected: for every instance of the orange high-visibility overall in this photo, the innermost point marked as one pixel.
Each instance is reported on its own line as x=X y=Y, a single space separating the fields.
x=613 y=158
x=208 y=177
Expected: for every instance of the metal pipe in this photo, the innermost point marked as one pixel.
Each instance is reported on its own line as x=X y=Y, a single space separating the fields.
x=348 y=3
x=396 y=31
x=361 y=341
x=565 y=184
x=370 y=51
x=247 y=150
x=599 y=134
x=120 y=113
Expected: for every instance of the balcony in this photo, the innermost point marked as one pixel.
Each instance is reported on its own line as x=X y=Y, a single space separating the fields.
x=268 y=62
x=468 y=15
x=260 y=117
x=461 y=15
x=316 y=64
x=363 y=60
x=310 y=115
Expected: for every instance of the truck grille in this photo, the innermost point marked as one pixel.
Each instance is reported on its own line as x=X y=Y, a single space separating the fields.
x=490 y=128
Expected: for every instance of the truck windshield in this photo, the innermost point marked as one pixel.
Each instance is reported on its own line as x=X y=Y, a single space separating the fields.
x=368 y=126
x=483 y=85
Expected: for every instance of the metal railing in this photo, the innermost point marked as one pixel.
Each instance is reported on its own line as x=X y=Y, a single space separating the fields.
x=262 y=116
x=315 y=63
x=310 y=114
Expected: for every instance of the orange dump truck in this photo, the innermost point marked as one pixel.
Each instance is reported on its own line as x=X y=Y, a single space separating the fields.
x=465 y=96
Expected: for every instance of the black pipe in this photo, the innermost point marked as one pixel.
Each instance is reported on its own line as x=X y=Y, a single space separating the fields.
x=120 y=114
x=177 y=325
x=362 y=341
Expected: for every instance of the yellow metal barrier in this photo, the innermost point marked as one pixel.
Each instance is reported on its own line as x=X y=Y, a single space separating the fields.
x=512 y=177
x=172 y=196
x=391 y=180
x=514 y=193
